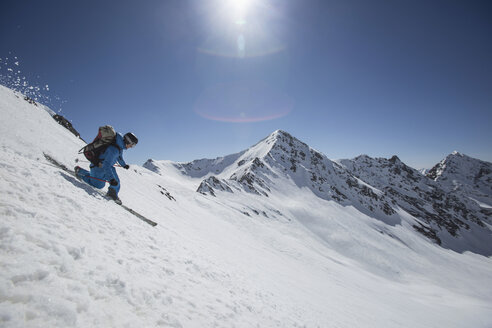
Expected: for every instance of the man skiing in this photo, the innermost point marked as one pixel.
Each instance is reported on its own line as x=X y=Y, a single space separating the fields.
x=105 y=170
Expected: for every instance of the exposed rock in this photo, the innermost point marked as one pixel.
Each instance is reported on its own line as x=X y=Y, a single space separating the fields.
x=30 y=100
x=66 y=124
x=166 y=193
x=211 y=184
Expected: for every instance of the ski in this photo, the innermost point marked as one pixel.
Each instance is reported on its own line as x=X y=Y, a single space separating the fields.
x=71 y=172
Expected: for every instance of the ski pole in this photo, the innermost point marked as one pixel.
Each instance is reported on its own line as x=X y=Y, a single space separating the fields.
x=88 y=176
x=81 y=160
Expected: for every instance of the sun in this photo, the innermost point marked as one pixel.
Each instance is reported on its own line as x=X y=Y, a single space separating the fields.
x=239 y=29
x=241 y=5
x=239 y=9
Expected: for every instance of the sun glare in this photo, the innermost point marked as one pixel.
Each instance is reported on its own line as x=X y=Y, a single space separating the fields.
x=240 y=8
x=239 y=29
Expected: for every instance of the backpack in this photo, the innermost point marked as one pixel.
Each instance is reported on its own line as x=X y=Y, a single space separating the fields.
x=105 y=138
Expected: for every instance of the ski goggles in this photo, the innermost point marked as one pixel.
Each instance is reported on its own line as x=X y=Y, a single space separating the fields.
x=130 y=143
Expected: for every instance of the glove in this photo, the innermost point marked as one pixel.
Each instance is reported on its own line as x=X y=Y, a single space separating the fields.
x=113 y=182
x=126 y=167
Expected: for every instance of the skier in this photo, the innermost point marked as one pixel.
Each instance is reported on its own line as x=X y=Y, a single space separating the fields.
x=105 y=170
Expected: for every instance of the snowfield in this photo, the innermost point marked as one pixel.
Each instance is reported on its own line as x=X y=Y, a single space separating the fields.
x=70 y=258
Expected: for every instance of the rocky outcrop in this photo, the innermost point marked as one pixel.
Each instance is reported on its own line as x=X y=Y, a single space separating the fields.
x=211 y=185
x=66 y=124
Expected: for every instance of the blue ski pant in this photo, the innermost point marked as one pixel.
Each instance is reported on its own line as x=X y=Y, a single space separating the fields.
x=97 y=172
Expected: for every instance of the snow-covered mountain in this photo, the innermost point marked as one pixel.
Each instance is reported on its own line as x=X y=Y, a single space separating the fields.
x=380 y=188
x=423 y=171
x=447 y=216
x=278 y=160
x=473 y=177
x=277 y=235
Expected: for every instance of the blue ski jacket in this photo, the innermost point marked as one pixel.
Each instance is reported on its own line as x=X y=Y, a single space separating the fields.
x=111 y=155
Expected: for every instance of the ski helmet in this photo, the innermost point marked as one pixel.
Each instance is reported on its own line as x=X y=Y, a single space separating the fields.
x=130 y=139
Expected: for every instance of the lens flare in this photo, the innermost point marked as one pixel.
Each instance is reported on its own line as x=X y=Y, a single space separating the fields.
x=243 y=102
x=244 y=45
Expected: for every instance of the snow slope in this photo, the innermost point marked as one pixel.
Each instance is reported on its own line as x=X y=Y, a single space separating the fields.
x=71 y=259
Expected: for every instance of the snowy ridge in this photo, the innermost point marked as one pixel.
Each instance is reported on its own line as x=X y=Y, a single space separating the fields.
x=442 y=214
x=379 y=188
x=281 y=157
x=291 y=258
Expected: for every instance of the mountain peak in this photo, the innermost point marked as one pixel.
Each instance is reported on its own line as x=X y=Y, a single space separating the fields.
x=457 y=156
x=279 y=142
x=279 y=135
x=394 y=159
x=280 y=132
x=464 y=172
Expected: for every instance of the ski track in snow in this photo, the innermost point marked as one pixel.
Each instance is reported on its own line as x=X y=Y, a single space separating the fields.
x=69 y=258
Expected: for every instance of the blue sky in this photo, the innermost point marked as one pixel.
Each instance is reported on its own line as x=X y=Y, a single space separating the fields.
x=207 y=78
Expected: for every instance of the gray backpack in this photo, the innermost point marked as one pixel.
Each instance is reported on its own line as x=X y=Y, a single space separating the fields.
x=105 y=138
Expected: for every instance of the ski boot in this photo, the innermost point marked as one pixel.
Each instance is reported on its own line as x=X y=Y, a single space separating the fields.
x=77 y=170
x=112 y=194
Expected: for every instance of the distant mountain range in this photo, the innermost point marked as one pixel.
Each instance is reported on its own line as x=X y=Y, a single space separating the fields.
x=451 y=204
